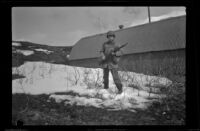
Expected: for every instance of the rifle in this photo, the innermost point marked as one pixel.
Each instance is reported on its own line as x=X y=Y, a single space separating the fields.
x=110 y=55
x=118 y=48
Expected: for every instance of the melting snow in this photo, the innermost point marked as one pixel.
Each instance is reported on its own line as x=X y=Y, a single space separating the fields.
x=16 y=44
x=43 y=50
x=87 y=82
x=25 y=52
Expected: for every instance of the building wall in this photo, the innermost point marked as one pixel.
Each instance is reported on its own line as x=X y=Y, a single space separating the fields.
x=89 y=63
x=155 y=63
x=152 y=63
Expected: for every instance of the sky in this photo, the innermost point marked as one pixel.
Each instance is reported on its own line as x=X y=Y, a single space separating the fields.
x=64 y=26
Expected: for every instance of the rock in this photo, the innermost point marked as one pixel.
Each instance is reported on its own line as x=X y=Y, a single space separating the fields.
x=36 y=116
x=46 y=109
x=20 y=123
x=53 y=110
x=33 y=115
x=148 y=118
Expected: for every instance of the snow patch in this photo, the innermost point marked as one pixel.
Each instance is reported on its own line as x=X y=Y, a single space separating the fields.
x=16 y=44
x=25 y=52
x=45 y=51
x=158 y=18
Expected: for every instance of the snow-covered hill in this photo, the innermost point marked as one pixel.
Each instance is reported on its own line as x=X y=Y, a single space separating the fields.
x=27 y=51
x=86 y=83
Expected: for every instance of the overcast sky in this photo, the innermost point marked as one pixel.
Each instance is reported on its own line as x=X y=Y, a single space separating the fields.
x=64 y=26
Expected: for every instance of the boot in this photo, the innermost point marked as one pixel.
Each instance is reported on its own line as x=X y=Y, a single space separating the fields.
x=119 y=91
x=119 y=87
x=106 y=77
x=106 y=86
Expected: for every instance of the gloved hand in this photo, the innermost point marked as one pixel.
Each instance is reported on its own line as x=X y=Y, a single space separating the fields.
x=103 y=56
x=113 y=53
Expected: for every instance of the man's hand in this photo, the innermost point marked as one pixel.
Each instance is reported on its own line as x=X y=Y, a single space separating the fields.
x=103 y=56
x=113 y=53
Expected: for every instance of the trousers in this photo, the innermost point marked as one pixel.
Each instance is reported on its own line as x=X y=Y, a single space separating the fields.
x=115 y=78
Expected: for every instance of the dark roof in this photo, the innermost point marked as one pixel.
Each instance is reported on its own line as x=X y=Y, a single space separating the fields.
x=168 y=34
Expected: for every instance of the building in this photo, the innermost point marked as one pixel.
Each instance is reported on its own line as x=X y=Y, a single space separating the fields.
x=153 y=47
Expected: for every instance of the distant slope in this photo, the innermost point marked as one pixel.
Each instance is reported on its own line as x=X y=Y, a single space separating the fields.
x=23 y=51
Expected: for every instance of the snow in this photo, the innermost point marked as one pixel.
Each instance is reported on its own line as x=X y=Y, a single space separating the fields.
x=158 y=18
x=25 y=52
x=43 y=50
x=46 y=78
x=171 y=14
x=16 y=44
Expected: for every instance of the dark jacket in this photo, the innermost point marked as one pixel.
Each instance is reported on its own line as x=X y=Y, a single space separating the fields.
x=112 y=62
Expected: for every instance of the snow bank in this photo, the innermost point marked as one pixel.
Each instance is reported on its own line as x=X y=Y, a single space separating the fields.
x=45 y=78
x=16 y=44
x=45 y=51
x=25 y=52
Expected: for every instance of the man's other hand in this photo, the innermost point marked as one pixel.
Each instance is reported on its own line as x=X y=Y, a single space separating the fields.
x=113 y=53
x=103 y=57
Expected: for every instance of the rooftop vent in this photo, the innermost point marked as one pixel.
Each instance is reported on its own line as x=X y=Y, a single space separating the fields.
x=121 y=26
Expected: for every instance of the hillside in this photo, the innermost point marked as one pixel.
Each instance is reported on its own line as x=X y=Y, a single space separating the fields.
x=27 y=51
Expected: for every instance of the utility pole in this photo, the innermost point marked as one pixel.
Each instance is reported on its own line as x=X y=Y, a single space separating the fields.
x=100 y=24
x=149 y=15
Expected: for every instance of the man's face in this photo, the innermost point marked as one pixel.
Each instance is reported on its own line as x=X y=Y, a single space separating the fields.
x=111 y=38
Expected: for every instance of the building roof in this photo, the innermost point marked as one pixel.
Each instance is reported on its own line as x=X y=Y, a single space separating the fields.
x=168 y=34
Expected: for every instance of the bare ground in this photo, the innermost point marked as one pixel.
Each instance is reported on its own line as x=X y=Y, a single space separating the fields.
x=44 y=111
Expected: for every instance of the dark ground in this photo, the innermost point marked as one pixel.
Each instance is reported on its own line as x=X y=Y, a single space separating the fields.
x=40 y=111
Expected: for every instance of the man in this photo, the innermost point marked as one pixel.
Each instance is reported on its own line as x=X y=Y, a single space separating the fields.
x=111 y=63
